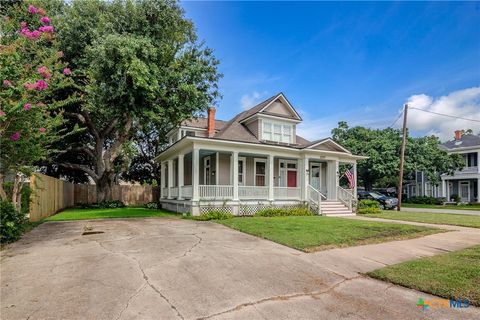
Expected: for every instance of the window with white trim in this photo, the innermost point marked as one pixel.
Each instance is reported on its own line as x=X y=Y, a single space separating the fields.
x=277 y=131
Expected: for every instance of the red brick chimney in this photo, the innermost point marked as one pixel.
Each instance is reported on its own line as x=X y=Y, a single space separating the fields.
x=458 y=134
x=211 y=122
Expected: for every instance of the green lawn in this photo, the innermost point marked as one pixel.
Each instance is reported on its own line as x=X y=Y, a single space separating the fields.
x=447 y=206
x=436 y=218
x=455 y=274
x=320 y=233
x=129 y=212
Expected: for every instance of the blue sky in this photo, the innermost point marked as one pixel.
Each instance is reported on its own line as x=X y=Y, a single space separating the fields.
x=358 y=62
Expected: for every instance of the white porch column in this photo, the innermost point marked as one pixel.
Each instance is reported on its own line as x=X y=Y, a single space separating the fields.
x=170 y=178
x=234 y=170
x=478 y=190
x=195 y=173
x=270 y=167
x=444 y=189
x=303 y=167
x=336 y=177
x=356 y=179
x=162 y=179
x=180 y=176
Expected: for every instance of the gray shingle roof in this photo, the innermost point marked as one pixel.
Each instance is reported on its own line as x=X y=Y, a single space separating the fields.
x=467 y=140
x=234 y=130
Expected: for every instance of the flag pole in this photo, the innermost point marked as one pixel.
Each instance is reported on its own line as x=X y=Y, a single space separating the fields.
x=402 y=157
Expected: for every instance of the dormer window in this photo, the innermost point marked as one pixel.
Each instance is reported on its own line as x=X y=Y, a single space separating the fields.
x=277 y=131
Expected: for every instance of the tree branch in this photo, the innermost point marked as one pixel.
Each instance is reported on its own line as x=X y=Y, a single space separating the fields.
x=85 y=119
x=80 y=167
x=106 y=131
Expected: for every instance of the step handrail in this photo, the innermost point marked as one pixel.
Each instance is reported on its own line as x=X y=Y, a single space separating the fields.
x=318 y=196
x=346 y=197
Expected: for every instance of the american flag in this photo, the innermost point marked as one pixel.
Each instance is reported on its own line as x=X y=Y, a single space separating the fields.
x=350 y=177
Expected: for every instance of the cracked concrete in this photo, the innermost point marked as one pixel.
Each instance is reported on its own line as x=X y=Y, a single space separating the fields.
x=182 y=269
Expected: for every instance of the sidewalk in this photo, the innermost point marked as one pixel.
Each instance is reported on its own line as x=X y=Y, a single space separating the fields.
x=453 y=211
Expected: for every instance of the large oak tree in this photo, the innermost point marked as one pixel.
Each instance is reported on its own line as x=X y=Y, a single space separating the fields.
x=136 y=63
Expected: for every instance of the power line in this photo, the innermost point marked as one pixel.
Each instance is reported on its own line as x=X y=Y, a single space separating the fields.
x=393 y=123
x=445 y=115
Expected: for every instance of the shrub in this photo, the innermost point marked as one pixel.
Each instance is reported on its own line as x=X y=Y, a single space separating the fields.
x=26 y=192
x=455 y=198
x=281 y=212
x=425 y=200
x=152 y=205
x=368 y=207
x=12 y=223
x=214 y=215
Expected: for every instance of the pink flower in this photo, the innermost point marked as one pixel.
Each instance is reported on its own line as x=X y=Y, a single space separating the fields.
x=44 y=72
x=15 y=136
x=67 y=71
x=40 y=85
x=60 y=54
x=27 y=106
x=46 y=29
x=23 y=24
x=35 y=34
x=32 y=9
x=2 y=113
x=40 y=11
x=42 y=130
x=7 y=83
x=45 y=20
x=29 y=86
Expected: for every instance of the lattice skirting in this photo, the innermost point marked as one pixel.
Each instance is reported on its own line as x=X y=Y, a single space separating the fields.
x=240 y=209
x=224 y=209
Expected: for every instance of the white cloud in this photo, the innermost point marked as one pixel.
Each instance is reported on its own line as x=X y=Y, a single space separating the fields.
x=462 y=103
x=249 y=100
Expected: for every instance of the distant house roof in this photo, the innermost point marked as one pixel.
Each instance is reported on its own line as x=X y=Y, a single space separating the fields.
x=235 y=130
x=467 y=140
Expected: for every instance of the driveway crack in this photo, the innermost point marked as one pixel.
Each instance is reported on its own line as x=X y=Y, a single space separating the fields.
x=145 y=278
x=280 y=298
x=193 y=246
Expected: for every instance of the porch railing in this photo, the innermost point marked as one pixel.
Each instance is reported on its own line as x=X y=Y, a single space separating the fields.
x=252 y=192
x=286 y=193
x=187 y=192
x=347 y=197
x=215 y=191
x=174 y=192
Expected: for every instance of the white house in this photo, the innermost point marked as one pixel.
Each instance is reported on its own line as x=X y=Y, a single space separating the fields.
x=464 y=182
x=254 y=161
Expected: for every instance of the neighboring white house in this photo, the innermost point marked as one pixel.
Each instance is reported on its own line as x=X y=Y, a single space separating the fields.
x=254 y=161
x=465 y=182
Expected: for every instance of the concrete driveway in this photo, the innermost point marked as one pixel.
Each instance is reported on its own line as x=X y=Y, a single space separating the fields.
x=181 y=269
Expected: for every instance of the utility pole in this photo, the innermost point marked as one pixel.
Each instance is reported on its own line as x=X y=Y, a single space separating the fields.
x=402 y=157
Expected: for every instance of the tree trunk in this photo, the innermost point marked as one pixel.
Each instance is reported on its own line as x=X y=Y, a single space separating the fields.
x=15 y=191
x=3 y=194
x=368 y=184
x=105 y=186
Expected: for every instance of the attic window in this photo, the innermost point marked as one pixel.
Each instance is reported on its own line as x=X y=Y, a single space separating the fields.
x=277 y=131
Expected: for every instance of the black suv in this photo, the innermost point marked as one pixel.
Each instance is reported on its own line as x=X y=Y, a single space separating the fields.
x=385 y=201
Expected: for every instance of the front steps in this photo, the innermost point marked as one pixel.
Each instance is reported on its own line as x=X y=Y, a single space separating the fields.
x=335 y=209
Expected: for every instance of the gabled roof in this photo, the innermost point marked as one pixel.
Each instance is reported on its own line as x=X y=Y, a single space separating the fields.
x=262 y=107
x=201 y=123
x=467 y=141
x=236 y=130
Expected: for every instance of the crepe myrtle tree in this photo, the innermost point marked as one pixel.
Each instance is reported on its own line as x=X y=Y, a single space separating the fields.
x=137 y=63
x=31 y=70
x=382 y=147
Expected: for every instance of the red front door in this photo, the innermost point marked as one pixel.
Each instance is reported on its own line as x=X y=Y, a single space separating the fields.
x=292 y=179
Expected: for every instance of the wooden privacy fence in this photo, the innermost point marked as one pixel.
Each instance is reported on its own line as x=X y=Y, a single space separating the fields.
x=50 y=195
x=131 y=195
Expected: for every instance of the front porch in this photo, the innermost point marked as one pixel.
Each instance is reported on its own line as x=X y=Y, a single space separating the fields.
x=201 y=178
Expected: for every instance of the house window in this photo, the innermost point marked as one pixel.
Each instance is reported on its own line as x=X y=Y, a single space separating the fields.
x=472 y=159
x=277 y=131
x=260 y=166
x=241 y=171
